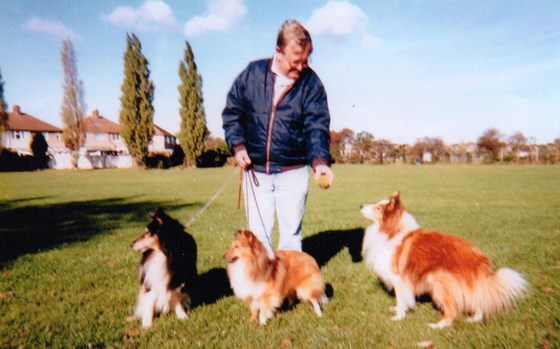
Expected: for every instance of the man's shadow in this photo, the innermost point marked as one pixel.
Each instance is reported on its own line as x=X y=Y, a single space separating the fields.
x=211 y=286
x=327 y=244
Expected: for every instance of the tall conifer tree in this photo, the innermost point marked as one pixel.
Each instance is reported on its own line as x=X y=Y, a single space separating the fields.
x=3 y=113
x=73 y=105
x=193 y=131
x=137 y=112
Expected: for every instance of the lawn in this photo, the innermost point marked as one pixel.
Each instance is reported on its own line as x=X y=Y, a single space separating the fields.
x=68 y=276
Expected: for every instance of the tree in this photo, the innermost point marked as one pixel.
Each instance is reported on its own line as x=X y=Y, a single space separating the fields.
x=400 y=152
x=435 y=147
x=341 y=143
x=193 y=118
x=73 y=104
x=363 y=147
x=137 y=112
x=490 y=143
x=382 y=149
x=517 y=143
x=39 y=148
x=3 y=113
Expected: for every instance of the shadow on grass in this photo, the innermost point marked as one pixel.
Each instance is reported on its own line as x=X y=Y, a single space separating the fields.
x=214 y=284
x=211 y=287
x=31 y=229
x=327 y=244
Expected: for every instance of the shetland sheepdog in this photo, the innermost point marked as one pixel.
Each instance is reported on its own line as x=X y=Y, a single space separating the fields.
x=264 y=281
x=167 y=269
x=415 y=262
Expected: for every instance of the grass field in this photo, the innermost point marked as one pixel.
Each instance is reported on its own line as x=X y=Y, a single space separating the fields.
x=68 y=276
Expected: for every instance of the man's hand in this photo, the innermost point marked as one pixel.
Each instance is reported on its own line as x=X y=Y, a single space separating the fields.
x=242 y=158
x=324 y=170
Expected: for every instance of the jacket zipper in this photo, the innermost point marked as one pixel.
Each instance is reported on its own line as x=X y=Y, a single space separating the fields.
x=271 y=122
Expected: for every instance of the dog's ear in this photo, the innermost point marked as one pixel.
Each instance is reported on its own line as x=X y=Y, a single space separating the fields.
x=155 y=213
x=158 y=215
x=249 y=236
x=395 y=201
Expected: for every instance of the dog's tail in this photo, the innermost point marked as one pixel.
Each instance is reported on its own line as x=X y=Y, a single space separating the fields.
x=497 y=292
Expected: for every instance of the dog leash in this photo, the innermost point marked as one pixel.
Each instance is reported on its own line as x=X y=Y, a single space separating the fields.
x=251 y=181
x=191 y=221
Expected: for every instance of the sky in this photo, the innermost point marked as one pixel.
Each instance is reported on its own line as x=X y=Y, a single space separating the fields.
x=400 y=70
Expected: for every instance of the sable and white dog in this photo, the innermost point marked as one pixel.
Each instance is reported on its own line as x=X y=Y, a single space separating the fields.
x=414 y=261
x=167 y=269
x=264 y=281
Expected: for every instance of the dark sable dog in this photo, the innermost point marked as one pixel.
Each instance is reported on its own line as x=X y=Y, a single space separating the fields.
x=167 y=269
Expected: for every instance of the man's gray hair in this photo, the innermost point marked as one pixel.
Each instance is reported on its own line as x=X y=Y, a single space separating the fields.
x=293 y=30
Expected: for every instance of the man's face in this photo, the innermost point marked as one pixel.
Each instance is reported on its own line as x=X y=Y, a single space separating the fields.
x=293 y=59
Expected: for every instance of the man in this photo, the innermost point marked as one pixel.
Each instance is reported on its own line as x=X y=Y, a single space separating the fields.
x=276 y=121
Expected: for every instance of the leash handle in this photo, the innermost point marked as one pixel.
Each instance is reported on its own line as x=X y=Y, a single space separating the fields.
x=240 y=185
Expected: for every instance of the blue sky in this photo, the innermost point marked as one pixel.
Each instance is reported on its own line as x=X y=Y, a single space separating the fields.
x=401 y=70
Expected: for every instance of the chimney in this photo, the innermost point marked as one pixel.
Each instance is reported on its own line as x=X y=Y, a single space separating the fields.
x=16 y=109
x=95 y=113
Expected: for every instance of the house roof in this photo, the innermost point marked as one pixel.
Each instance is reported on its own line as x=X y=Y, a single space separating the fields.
x=96 y=123
x=158 y=131
x=18 y=121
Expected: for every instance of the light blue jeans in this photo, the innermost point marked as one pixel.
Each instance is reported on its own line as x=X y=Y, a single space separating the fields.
x=282 y=193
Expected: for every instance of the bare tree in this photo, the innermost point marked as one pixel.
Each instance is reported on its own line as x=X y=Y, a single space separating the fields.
x=383 y=149
x=490 y=143
x=430 y=145
x=363 y=147
x=517 y=143
x=73 y=105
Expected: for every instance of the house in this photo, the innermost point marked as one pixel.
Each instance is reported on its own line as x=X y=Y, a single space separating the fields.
x=163 y=142
x=103 y=146
x=21 y=128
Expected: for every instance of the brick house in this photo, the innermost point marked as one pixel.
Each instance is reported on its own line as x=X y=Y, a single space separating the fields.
x=22 y=127
x=103 y=147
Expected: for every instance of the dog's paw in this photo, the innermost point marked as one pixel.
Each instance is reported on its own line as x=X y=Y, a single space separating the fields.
x=400 y=314
x=439 y=325
x=476 y=317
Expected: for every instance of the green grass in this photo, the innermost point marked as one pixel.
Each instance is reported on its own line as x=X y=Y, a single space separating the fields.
x=68 y=277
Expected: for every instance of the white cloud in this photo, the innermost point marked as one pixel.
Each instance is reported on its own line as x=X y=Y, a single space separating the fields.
x=370 y=41
x=54 y=29
x=337 y=19
x=151 y=16
x=221 y=15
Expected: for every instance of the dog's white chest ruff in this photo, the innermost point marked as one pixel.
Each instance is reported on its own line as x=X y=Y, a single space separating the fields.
x=156 y=274
x=242 y=285
x=378 y=250
x=156 y=280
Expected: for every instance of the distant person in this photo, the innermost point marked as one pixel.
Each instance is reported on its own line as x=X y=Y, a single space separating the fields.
x=276 y=121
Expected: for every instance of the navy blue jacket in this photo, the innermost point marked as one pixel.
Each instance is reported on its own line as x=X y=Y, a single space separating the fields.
x=294 y=133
